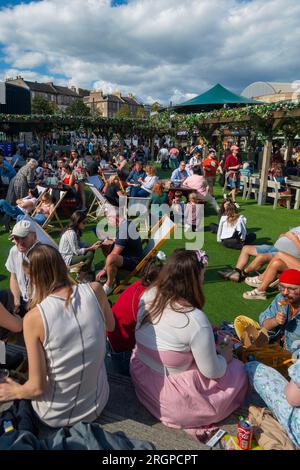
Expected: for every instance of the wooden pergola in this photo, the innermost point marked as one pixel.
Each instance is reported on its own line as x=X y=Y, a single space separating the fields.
x=276 y=120
x=266 y=118
x=106 y=127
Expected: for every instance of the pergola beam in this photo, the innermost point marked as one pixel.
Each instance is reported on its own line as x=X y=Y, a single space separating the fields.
x=293 y=113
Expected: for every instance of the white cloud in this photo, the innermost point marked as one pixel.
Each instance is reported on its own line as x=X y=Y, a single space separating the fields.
x=167 y=49
x=31 y=76
x=179 y=97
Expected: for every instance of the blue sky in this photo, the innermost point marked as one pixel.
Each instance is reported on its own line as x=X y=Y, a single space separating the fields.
x=4 y=3
x=166 y=50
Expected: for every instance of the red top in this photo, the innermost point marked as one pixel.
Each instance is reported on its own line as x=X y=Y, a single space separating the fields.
x=125 y=312
x=231 y=160
x=210 y=166
x=67 y=179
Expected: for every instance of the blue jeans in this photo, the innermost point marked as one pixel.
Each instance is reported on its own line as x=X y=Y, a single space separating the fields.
x=12 y=211
x=117 y=362
x=139 y=192
x=39 y=218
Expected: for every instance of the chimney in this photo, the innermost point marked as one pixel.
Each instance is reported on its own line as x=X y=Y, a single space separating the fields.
x=117 y=93
x=73 y=88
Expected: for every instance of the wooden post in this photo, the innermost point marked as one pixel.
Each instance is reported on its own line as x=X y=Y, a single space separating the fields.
x=289 y=149
x=262 y=195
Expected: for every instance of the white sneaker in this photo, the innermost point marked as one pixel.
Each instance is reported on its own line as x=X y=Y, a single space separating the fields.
x=107 y=289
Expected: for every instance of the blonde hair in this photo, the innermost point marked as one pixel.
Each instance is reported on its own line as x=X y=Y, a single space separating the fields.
x=112 y=179
x=150 y=170
x=193 y=197
x=47 y=272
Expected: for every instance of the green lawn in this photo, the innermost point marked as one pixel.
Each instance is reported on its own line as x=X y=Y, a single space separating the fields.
x=224 y=299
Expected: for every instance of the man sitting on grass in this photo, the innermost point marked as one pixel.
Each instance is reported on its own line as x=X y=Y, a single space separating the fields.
x=125 y=251
x=282 y=317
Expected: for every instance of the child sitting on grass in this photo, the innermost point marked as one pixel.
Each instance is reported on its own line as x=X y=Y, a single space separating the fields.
x=232 y=231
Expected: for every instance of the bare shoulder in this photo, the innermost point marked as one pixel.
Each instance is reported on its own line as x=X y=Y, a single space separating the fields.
x=33 y=318
x=96 y=286
x=98 y=289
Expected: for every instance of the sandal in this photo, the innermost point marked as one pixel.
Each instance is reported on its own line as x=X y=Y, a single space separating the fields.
x=253 y=281
x=255 y=294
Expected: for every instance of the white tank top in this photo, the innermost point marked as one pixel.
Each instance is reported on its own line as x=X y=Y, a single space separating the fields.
x=75 y=345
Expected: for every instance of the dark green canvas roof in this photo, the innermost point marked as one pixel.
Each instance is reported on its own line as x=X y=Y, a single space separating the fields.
x=215 y=98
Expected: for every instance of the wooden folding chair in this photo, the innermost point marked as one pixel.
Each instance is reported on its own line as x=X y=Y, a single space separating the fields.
x=107 y=174
x=244 y=183
x=98 y=205
x=159 y=234
x=253 y=187
x=273 y=188
x=47 y=224
x=97 y=183
x=41 y=190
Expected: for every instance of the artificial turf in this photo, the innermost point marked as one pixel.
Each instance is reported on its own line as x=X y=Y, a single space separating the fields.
x=224 y=299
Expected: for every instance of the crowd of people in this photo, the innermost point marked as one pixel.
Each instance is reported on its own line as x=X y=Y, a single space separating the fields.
x=183 y=370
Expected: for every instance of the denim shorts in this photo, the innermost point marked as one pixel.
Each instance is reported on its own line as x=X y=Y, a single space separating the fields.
x=233 y=182
x=129 y=264
x=266 y=249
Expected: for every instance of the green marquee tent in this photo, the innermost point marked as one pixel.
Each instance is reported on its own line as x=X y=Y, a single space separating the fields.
x=215 y=98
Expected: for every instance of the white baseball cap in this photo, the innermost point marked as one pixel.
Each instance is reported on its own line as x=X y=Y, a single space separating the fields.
x=22 y=229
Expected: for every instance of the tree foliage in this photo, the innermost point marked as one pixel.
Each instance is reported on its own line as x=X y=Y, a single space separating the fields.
x=124 y=112
x=141 y=113
x=41 y=106
x=155 y=107
x=78 y=108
